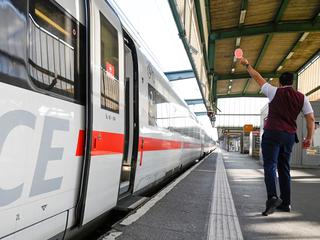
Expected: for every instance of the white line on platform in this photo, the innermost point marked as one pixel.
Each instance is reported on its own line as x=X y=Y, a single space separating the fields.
x=112 y=236
x=223 y=223
x=146 y=207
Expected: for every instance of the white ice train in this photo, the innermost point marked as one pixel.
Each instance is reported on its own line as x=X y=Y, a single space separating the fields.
x=85 y=118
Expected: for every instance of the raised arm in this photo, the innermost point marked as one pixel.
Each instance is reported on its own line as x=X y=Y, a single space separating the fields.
x=310 y=130
x=253 y=73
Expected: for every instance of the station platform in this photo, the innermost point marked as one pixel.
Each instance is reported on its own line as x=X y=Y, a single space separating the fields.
x=222 y=197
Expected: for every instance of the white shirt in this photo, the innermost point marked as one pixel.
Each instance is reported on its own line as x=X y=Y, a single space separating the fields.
x=270 y=92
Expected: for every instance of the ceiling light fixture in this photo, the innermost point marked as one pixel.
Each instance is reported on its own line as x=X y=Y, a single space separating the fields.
x=289 y=55
x=304 y=36
x=242 y=16
x=238 y=41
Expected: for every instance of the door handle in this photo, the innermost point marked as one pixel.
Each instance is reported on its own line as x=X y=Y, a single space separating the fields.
x=94 y=145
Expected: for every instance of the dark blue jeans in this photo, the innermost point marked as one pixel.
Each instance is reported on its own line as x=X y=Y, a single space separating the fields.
x=276 y=151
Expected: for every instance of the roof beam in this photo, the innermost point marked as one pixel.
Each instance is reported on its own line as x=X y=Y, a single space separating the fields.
x=281 y=27
x=316 y=18
x=200 y=24
x=290 y=52
x=277 y=18
x=263 y=50
x=260 y=56
x=244 y=5
x=246 y=86
x=201 y=113
x=215 y=82
x=204 y=113
x=246 y=75
x=309 y=62
x=282 y=8
x=313 y=91
x=211 y=81
x=180 y=75
x=194 y=101
x=199 y=18
x=211 y=55
x=208 y=15
x=213 y=90
x=182 y=35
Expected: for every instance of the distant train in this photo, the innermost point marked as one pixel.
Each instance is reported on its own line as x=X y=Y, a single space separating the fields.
x=86 y=119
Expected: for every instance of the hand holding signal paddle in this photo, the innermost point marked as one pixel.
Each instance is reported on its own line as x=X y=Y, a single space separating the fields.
x=238 y=53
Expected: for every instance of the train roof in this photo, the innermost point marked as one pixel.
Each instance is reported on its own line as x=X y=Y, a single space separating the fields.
x=144 y=49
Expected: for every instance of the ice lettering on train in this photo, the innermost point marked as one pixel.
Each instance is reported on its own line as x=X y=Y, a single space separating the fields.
x=40 y=185
x=47 y=153
x=8 y=122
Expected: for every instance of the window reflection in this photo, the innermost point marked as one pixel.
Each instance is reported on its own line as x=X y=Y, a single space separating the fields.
x=109 y=66
x=55 y=52
x=170 y=115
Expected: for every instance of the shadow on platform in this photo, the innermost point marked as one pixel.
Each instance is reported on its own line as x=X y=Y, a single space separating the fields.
x=247 y=186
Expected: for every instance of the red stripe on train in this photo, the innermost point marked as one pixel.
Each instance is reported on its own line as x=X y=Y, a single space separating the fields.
x=153 y=144
x=104 y=143
x=191 y=145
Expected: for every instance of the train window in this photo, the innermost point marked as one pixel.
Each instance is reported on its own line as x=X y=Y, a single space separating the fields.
x=158 y=108
x=109 y=66
x=56 y=50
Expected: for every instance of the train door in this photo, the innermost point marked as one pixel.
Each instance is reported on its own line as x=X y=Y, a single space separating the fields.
x=107 y=74
x=131 y=118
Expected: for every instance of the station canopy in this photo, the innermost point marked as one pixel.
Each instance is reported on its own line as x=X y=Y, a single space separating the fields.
x=275 y=36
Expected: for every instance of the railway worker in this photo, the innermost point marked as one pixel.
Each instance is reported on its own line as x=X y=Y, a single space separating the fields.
x=285 y=104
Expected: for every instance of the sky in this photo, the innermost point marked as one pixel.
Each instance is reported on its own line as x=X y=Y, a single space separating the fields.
x=153 y=21
x=154 y=25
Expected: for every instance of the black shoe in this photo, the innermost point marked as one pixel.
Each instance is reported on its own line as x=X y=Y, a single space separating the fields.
x=284 y=208
x=271 y=205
